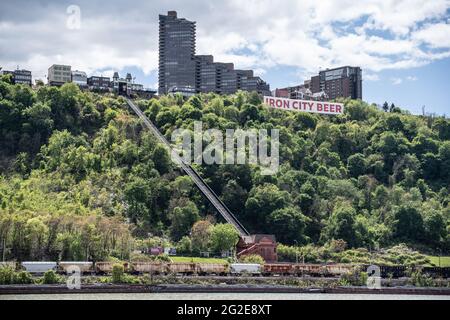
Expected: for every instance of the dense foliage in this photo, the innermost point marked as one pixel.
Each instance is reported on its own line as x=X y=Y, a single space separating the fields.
x=81 y=179
x=336 y=251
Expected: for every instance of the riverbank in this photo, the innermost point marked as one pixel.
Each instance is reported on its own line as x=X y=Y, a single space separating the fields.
x=119 y=288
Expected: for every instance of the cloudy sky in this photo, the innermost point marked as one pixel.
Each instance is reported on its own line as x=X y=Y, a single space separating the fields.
x=403 y=46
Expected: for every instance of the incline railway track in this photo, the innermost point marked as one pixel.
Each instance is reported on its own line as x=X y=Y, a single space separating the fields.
x=191 y=172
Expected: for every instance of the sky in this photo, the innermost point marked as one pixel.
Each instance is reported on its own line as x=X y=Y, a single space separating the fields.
x=403 y=46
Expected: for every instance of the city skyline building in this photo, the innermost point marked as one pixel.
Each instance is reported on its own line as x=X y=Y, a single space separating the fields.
x=181 y=70
x=59 y=74
x=79 y=78
x=99 y=83
x=329 y=84
x=176 y=52
x=19 y=76
x=341 y=82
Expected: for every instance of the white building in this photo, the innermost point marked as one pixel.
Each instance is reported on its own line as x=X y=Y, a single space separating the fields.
x=80 y=78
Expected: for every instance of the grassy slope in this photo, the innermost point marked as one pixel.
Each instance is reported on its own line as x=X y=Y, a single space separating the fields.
x=198 y=260
x=445 y=261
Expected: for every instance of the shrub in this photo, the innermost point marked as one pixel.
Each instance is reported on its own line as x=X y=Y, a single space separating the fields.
x=23 y=277
x=286 y=253
x=50 y=277
x=6 y=275
x=117 y=273
x=252 y=258
x=356 y=277
x=336 y=246
x=139 y=257
x=129 y=279
x=402 y=255
x=184 y=246
x=360 y=255
x=9 y=276
x=162 y=258
x=309 y=253
x=419 y=279
x=113 y=259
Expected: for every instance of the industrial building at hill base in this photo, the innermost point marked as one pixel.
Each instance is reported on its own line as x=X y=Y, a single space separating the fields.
x=264 y=245
x=181 y=70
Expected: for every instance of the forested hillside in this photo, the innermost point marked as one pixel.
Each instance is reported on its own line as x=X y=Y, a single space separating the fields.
x=81 y=179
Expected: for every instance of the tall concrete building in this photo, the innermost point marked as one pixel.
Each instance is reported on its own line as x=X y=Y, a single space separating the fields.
x=59 y=74
x=176 y=52
x=180 y=70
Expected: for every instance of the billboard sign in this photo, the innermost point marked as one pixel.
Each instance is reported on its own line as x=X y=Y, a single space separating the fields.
x=304 y=105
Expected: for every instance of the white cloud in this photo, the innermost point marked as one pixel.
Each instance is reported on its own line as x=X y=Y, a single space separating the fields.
x=371 y=77
x=435 y=35
x=396 y=81
x=306 y=35
x=400 y=16
x=412 y=78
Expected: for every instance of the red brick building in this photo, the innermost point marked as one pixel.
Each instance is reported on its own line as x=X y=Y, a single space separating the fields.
x=264 y=245
x=343 y=82
x=282 y=93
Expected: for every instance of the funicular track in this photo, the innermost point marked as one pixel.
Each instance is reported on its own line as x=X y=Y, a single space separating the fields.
x=191 y=172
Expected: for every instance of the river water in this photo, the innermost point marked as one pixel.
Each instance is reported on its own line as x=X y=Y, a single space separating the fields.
x=220 y=296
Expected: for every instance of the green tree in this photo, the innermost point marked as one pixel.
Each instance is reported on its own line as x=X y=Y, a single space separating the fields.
x=442 y=126
x=435 y=227
x=139 y=196
x=249 y=112
x=341 y=225
x=37 y=232
x=408 y=224
x=50 y=277
x=305 y=121
x=200 y=236
x=262 y=201
x=356 y=165
x=444 y=155
x=431 y=166
x=117 y=273
x=183 y=219
x=288 y=224
x=234 y=196
x=224 y=237
x=184 y=246
x=392 y=146
x=161 y=159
